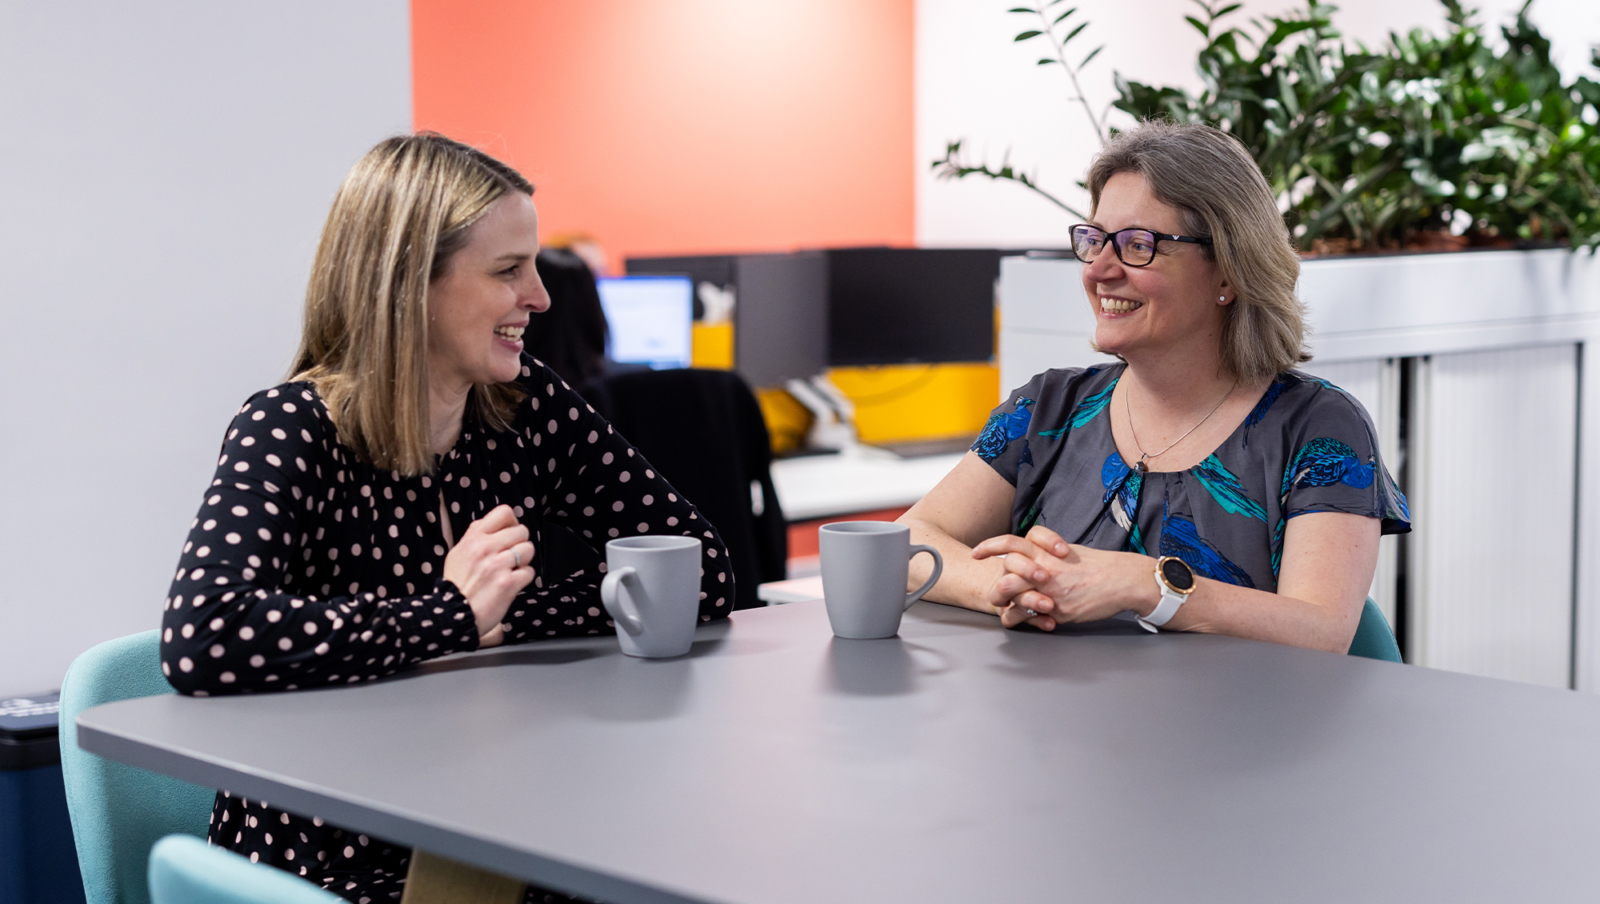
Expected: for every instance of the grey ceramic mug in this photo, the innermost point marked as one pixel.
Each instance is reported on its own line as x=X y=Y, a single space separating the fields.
x=652 y=590
x=864 y=569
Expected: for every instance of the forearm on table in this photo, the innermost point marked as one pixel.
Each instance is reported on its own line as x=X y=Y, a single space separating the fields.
x=964 y=581
x=1328 y=562
x=1216 y=607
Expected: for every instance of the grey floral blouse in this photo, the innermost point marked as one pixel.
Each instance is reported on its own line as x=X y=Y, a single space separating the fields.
x=1307 y=446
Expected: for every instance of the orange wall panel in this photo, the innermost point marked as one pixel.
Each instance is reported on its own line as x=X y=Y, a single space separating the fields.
x=681 y=126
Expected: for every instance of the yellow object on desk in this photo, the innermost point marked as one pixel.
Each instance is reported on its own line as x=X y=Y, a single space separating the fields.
x=894 y=403
x=711 y=346
x=788 y=421
x=900 y=403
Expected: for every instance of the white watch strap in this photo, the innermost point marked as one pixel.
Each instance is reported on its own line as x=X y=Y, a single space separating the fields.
x=1168 y=607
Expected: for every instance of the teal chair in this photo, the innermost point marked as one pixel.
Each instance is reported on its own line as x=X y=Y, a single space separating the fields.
x=1374 y=639
x=186 y=870
x=120 y=811
x=121 y=815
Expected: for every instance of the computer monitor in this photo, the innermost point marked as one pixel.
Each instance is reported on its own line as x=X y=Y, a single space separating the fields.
x=780 y=311
x=716 y=269
x=650 y=318
x=911 y=305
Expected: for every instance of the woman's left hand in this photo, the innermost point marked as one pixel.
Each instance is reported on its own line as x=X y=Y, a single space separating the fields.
x=1069 y=583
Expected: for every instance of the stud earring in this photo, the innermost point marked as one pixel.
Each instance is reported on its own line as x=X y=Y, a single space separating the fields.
x=1222 y=298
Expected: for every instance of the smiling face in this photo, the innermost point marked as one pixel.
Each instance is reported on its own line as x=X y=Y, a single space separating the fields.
x=1171 y=305
x=479 y=307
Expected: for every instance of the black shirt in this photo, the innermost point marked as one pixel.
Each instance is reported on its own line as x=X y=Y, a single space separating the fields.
x=307 y=567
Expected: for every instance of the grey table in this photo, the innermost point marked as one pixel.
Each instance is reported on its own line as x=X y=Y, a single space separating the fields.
x=957 y=763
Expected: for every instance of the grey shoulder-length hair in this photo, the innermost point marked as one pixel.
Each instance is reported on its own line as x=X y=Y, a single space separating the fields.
x=1210 y=179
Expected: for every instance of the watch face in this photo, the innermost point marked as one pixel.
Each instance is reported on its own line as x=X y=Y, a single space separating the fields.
x=1178 y=574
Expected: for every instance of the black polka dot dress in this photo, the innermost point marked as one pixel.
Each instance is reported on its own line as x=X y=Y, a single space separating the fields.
x=308 y=568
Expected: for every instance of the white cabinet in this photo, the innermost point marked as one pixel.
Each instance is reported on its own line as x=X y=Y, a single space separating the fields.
x=1494 y=480
x=1500 y=575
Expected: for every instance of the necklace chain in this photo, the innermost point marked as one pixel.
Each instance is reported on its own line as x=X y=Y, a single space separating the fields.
x=1127 y=407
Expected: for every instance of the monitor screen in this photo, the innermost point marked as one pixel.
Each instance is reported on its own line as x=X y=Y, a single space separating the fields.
x=911 y=305
x=650 y=318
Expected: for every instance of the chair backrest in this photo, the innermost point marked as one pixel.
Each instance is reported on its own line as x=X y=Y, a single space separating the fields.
x=119 y=811
x=186 y=870
x=1374 y=639
x=704 y=432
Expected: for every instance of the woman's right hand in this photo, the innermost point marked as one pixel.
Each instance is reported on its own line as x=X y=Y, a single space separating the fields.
x=1015 y=592
x=491 y=564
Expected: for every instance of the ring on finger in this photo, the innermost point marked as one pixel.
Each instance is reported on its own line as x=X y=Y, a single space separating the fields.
x=1030 y=612
x=516 y=557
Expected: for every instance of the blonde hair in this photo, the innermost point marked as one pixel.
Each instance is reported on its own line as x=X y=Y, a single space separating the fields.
x=1210 y=179
x=399 y=216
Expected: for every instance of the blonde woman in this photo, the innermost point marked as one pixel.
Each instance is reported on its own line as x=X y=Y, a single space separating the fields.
x=384 y=506
x=1203 y=483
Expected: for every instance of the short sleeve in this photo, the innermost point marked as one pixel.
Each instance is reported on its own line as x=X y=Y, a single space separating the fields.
x=1051 y=405
x=1334 y=465
x=1003 y=444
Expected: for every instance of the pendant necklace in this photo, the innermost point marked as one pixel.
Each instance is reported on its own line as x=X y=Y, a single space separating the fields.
x=1127 y=407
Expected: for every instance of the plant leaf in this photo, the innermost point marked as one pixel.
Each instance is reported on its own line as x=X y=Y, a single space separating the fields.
x=1073 y=33
x=1199 y=26
x=1026 y=35
x=1064 y=16
x=1092 y=54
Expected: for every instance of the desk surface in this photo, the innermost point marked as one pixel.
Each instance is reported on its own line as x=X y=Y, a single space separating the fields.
x=958 y=762
x=820 y=486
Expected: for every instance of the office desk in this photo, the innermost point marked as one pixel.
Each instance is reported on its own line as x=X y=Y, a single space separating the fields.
x=957 y=763
x=821 y=486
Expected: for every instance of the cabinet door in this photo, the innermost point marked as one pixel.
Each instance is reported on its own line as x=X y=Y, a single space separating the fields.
x=1494 y=473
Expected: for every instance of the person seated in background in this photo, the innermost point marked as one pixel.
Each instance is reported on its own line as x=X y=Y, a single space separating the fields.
x=570 y=336
x=385 y=505
x=1201 y=483
x=586 y=247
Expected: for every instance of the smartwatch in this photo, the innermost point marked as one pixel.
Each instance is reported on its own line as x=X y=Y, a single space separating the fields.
x=1175 y=580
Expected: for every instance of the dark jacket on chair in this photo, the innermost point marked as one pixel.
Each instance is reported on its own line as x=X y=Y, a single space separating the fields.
x=703 y=430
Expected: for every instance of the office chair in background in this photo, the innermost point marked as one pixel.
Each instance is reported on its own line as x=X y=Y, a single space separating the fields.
x=703 y=431
x=1374 y=638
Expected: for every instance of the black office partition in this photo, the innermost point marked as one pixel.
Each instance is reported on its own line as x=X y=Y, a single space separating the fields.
x=910 y=305
x=780 y=317
x=797 y=314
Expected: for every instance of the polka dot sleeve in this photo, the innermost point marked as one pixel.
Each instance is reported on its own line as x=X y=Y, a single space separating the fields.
x=247 y=612
x=601 y=488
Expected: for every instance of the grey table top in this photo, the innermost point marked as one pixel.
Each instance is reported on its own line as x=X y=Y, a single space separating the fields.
x=958 y=762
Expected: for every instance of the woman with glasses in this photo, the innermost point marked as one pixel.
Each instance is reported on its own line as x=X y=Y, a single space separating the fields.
x=1202 y=483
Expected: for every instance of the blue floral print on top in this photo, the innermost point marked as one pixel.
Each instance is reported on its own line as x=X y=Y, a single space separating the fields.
x=1306 y=446
x=1003 y=427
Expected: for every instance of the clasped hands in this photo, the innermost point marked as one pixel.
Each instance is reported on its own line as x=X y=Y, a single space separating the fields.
x=1061 y=582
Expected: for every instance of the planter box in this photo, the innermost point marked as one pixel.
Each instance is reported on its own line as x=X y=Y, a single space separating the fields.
x=1501 y=569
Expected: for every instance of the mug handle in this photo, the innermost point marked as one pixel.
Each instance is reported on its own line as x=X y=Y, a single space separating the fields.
x=938 y=566
x=616 y=591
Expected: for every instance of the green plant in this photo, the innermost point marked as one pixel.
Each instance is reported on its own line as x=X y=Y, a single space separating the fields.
x=1432 y=141
x=1058 y=30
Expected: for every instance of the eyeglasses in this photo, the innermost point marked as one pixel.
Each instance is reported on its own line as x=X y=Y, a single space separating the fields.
x=1134 y=247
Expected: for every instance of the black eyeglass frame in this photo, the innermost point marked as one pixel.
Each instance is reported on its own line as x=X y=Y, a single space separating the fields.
x=1117 y=240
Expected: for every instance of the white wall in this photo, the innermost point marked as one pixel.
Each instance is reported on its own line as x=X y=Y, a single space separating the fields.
x=974 y=82
x=166 y=166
